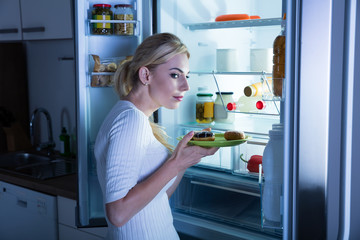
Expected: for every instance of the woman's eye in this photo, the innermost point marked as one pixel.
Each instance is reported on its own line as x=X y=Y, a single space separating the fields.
x=187 y=77
x=174 y=75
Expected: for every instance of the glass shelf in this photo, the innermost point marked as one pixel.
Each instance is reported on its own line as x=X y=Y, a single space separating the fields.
x=235 y=24
x=230 y=73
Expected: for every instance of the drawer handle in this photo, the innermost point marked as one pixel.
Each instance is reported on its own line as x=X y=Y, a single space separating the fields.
x=65 y=58
x=9 y=30
x=34 y=29
x=22 y=203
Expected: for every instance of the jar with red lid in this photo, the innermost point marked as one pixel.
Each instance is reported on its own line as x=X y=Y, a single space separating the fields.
x=124 y=12
x=102 y=12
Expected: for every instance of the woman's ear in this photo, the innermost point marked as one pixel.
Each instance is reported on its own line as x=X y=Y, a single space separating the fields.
x=144 y=74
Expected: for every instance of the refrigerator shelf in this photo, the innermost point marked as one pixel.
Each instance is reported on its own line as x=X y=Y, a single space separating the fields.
x=235 y=24
x=230 y=73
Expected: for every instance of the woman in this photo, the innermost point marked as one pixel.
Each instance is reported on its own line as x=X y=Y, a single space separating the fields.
x=136 y=172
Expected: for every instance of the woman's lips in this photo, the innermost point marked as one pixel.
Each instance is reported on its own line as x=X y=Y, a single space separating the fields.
x=179 y=98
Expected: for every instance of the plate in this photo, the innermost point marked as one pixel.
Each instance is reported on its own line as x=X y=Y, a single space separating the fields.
x=220 y=141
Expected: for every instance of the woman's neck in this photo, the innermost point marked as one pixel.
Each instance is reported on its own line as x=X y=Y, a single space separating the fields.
x=142 y=101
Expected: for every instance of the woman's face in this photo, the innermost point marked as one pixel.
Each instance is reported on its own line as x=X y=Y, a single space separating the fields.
x=168 y=82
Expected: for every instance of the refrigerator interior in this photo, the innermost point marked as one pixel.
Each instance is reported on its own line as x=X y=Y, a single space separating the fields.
x=96 y=95
x=205 y=191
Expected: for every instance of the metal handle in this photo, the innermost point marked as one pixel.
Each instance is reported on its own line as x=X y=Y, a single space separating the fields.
x=33 y=29
x=9 y=30
x=65 y=58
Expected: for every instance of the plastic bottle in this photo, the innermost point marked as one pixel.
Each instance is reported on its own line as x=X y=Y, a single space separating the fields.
x=273 y=167
x=256 y=89
x=248 y=104
x=64 y=143
x=279 y=61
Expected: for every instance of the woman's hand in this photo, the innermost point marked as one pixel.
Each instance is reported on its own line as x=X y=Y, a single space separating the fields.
x=185 y=156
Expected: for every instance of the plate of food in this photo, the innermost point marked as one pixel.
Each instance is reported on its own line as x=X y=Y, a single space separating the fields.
x=210 y=139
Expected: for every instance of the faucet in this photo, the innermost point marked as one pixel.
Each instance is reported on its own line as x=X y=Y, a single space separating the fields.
x=50 y=145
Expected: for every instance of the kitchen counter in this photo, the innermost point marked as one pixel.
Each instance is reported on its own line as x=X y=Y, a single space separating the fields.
x=65 y=186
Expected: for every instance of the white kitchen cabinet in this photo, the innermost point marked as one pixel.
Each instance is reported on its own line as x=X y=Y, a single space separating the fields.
x=67 y=223
x=35 y=19
x=27 y=214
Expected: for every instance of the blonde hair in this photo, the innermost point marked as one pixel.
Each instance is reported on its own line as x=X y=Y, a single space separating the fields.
x=153 y=51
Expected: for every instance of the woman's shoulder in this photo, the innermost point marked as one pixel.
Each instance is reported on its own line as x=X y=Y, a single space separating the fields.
x=124 y=112
x=127 y=109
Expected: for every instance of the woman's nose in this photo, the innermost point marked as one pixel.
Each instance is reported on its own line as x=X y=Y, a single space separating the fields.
x=185 y=85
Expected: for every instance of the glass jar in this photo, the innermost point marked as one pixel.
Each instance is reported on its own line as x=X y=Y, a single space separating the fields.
x=102 y=12
x=220 y=113
x=204 y=108
x=124 y=12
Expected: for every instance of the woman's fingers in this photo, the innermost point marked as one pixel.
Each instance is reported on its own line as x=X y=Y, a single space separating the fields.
x=206 y=151
x=187 y=138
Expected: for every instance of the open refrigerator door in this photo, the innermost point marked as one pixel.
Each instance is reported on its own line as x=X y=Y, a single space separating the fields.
x=104 y=38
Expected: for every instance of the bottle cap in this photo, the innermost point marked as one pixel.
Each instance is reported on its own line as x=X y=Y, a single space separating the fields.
x=249 y=91
x=231 y=106
x=260 y=105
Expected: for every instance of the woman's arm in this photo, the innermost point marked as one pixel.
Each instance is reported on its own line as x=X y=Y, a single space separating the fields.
x=176 y=183
x=121 y=211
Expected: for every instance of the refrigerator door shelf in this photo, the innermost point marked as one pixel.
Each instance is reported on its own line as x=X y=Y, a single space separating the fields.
x=136 y=23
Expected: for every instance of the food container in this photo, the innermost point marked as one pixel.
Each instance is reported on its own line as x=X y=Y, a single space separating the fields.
x=102 y=12
x=220 y=114
x=124 y=12
x=204 y=108
x=227 y=60
x=261 y=59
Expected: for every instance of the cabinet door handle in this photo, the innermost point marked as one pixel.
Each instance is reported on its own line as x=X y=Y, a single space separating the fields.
x=34 y=29
x=65 y=58
x=9 y=30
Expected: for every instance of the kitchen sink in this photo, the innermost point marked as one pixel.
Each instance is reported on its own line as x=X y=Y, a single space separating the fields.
x=36 y=165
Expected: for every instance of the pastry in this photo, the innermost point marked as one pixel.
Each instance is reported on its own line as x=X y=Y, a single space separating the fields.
x=234 y=135
x=203 y=136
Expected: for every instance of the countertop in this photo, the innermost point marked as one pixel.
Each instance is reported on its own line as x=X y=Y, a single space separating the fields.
x=65 y=186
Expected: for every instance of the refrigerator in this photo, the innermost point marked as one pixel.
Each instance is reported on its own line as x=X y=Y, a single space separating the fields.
x=317 y=111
